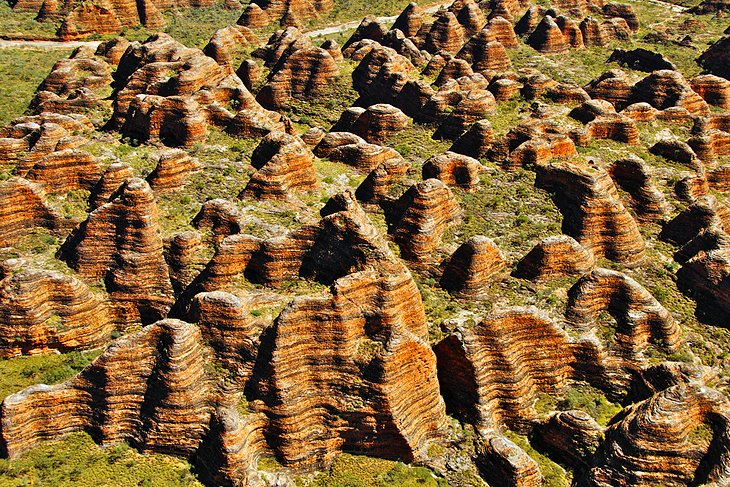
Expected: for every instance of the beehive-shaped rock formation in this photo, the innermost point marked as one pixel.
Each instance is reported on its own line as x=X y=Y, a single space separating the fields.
x=316 y=395
x=284 y=163
x=592 y=210
x=501 y=462
x=172 y=170
x=354 y=151
x=375 y=123
x=149 y=388
x=227 y=44
x=547 y=37
x=491 y=373
x=446 y=34
x=115 y=175
x=120 y=243
x=22 y=207
x=476 y=141
x=632 y=175
x=640 y=319
x=472 y=267
x=554 y=257
x=653 y=444
x=420 y=217
x=42 y=311
x=454 y=170
x=304 y=74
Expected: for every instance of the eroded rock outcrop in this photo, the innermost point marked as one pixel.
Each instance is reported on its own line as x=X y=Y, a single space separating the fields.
x=653 y=443
x=149 y=388
x=283 y=163
x=471 y=269
x=172 y=170
x=632 y=175
x=120 y=243
x=22 y=207
x=454 y=170
x=43 y=311
x=592 y=210
x=491 y=373
x=419 y=218
x=554 y=257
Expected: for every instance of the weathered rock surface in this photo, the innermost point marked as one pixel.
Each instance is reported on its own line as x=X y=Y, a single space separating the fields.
x=491 y=373
x=22 y=207
x=653 y=444
x=149 y=388
x=283 y=163
x=419 y=218
x=501 y=462
x=454 y=170
x=44 y=311
x=354 y=151
x=547 y=37
x=640 y=318
x=304 y=74
x=592 y=210
x=119 y=242
x=554 y=257
x=374 y=124
x=472 y=268
x=172 y=170
x=633 y=176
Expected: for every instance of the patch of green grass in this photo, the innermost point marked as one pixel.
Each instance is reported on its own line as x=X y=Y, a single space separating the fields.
x=76 y=461
x=554 y=474
x=195 y=26
x=589 y=400
x=23 y=24
x=21 y=71
x=20 y=372
x=361 y=471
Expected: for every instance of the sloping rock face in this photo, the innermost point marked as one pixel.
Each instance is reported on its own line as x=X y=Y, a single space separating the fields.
x=22 y=207
x=454 y=170
x=547 y=37
x=227 y=44
x=371 y=320
x=476 y=141
x=119 y=242
x=115 y=175
x=43 y=311
x=446 y=34
x=702 y=232
x=374 y=123
x=632 y=175
x=652 y=443
x=352 y=150
x=500 y=461
x=663 y=89
x=172 y=170
x=572 y=436
x=420 y=217
x=111 y=16
x=638 y=320
x=492 y=373
x=165 y=91
x=304 y=74
x=715 y=58
x=71 y=85
x=592 y=210
x=472 y=267
x=285 y=12
x=554 y=257
x=149 y=388
x=283 y=163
